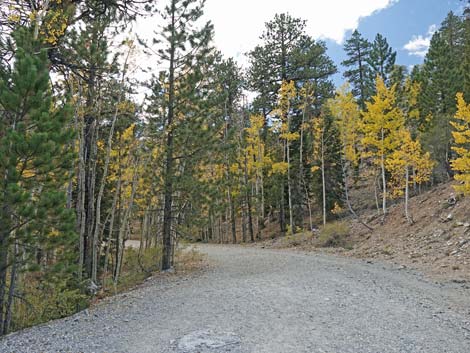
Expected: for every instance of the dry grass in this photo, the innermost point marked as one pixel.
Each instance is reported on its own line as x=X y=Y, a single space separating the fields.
x=334 y=235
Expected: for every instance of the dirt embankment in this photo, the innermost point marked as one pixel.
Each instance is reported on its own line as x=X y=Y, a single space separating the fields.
x=438 y=243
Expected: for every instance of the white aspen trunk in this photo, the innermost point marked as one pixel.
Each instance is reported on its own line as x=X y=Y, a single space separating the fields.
x=407 y=197
x=376 y=194
x=110 y=233
x=384 y=181
x=323 y=176
x=39 y=17
x=95 y=245
x=125 y=224
x=289 y=190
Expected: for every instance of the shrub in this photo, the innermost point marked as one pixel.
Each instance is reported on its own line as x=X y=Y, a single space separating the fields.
x=41 y=301
x=334 y=235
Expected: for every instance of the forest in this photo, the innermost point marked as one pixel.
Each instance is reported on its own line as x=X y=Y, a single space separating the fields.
x=92 y=155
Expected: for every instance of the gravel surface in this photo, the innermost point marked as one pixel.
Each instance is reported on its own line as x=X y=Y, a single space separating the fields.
x=266 y=301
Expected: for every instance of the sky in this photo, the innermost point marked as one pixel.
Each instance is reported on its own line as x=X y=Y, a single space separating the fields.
x=407 y=24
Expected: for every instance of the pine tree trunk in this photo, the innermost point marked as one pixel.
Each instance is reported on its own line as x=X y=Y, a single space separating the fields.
x=4 y=235
x=233 y=220
x=168 y=173
x=244 y=224
x=11 y=290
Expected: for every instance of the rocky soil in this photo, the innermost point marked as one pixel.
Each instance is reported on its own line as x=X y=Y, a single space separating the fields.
x=253 y=300
x=437 y=243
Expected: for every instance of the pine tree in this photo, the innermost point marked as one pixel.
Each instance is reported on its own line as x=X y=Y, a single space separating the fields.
x=440 y=79
x=34 y=168
x=441 y=70
x=358 y=73
x=466 y=54
x=461 y=136
x=381 y=58
x=270 y=62
x=288 y=54
x=183 y=49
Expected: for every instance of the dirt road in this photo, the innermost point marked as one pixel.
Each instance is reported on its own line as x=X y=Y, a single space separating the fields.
x=264 y=301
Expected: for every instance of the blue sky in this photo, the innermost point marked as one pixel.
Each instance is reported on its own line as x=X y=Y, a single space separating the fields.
x=403 y=22
x=239 y=24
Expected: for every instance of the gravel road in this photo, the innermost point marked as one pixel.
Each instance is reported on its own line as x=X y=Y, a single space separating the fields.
x=265 y=301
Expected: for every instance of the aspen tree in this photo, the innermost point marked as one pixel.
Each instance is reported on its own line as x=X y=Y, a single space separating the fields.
x=319 y=154
x=408 y=163
x=255 y=150
x=381 y=123
x=347 y=116
x=461 y=136
x=287 y=93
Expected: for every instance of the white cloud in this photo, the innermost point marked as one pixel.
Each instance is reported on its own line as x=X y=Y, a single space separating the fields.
x=239 y=23
x=419 y=45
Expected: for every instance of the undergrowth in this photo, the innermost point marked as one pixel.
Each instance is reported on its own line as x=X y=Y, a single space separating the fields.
x=334 y=235
x=39 y=301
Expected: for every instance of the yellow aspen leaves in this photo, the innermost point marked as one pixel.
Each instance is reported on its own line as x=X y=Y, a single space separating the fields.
x=461 y=135
x=255 y=146
x=347 y=117
x=287 y=93
x=409 y=161
x=318 y=131
x=279 y=168
x=381 y=124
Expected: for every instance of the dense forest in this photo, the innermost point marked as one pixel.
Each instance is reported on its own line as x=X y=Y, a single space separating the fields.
x=92 y=156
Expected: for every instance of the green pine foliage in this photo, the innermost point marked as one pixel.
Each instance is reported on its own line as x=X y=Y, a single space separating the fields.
x=357 y=69
x=36 y=156
x=382 y=58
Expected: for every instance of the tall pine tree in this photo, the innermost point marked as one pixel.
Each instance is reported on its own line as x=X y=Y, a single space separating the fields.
x=358 y=71
x=382 y=58
x=182 y=48
x=34 y=167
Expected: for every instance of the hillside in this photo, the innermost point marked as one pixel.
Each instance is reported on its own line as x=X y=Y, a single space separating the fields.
x=438 y=243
